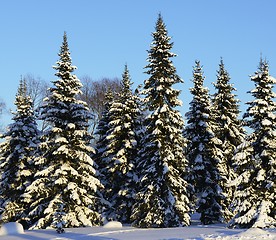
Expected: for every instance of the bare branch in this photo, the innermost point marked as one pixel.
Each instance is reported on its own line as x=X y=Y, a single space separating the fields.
x=94 y=95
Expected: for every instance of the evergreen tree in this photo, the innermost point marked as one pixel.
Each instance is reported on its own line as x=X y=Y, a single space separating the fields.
x=256 y=157
x=121 y=150
x=203 y=153
x=66 y=179
x=102 y=133
x=228 y=128
x=16 y=160
x=162 y=199
x=101 y=156
x=58 y=222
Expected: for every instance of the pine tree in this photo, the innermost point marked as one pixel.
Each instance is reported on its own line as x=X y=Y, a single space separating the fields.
x=228 y=128
x=256 y=157
x=203 y=153
x=121 y=150
x=16 y=160
x=162 y=199
x=66 y=179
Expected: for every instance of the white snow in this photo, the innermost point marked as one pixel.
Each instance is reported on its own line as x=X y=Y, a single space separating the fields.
x=261 y=175
x=250 y=234
x=11 y=228
x=114 y=232
x=266 y=122
x=113 y=224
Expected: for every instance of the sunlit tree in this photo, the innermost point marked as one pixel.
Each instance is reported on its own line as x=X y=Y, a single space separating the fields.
x=162 y=199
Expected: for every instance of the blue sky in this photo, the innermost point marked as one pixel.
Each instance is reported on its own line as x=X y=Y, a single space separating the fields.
x=103 y=35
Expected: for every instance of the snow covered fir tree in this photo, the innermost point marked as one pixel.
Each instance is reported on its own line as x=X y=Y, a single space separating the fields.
x=161 y=200
x=204 y=154
x=16 y=159
x=119 y=153
x=228 y=128
x=67 y=176
x=256 y=157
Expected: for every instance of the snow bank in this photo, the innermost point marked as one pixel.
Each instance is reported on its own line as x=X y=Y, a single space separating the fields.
x=113 y=224
x=11 y=228
x=257 y=233
x=250 y=234
x=113 y=230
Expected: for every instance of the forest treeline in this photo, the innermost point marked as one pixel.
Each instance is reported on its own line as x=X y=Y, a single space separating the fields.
x=146 y=167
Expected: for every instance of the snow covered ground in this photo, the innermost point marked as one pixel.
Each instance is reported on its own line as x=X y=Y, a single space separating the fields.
x=193 y=232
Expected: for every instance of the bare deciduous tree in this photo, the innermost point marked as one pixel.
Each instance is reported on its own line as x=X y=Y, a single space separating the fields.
x=37 y=89
x=94 y=94
x=2 y=108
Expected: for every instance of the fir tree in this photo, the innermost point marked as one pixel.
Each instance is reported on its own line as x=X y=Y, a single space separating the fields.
x=256 y=157
x=228 y=128
x=17 y=153
x=203 y=153
x=66 y=179
x=120 y=152
x=162 y=199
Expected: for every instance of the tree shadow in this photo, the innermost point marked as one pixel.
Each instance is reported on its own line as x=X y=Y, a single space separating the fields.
x=53 y=235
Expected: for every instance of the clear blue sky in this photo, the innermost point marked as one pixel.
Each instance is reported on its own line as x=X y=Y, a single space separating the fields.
x=103 y=35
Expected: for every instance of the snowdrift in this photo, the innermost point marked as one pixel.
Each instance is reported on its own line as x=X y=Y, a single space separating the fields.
x=11 y=228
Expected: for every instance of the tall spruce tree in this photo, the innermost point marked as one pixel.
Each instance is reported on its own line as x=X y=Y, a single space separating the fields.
x=256 y=157
x=102 y=133
x=66 y=179
x=203 y=153
x=100 y=155
x=162 y=199
x=228 y=128
x=120 y=153
x=17 y=154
